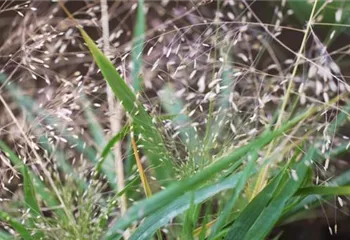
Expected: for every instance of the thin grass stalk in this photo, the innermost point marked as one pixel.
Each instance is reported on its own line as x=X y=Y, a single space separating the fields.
x=115 y=117
x=262 y=177
x=40 y=161
x=145 y=183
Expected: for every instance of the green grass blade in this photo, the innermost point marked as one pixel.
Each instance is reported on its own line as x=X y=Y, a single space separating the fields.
x=116 y=82
x=95 y=128
x=323 y=190
x=31 y=107
x=45 y=194
x=223 y=103
x=174 y=106
x=340 y=120
x=237 y=191
x=30 y=200
x=303 y=8
x=151 y=138
x=5 y=236
x=29 y=193
x=103 y=222
x=270 y=214
x=106 y=165
x=146 y=207
x=203 y=229
x=277 y=237
x=253 y=209
x=162 y=216
x=138 y=44
x=128 y=186
x=313 y=200
x=108 y=148
x=18 y=227
x=187 y=222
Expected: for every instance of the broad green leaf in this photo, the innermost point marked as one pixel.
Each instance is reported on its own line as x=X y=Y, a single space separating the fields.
x=162 y=216
x=116 y=82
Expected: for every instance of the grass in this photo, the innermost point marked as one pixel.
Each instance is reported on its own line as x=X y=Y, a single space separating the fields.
x=215 y=163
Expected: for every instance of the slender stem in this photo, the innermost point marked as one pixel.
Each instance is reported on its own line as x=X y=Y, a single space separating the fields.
x=145 y=183
x=295 y=69
x=40 y=161
x=116 y=115
x=262 y=177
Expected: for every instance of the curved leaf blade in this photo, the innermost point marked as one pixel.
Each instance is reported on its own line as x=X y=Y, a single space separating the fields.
x=248 y=226
x=142 y=122
x=29 y=193
x=148 y=206
x=162 y=216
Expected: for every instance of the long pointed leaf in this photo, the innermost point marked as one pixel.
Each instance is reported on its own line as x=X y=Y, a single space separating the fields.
x=29 y=193
x=138 y=43
x=145 y=207
x=253 y=209
x=269 y=214
x=151 y=138
x=228 y=208
x=30 y=200
x=108 y=147
x=323 y=190
x=161 y=217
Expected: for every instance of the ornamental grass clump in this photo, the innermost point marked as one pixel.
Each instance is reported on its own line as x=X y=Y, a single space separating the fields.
x=208 y=126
